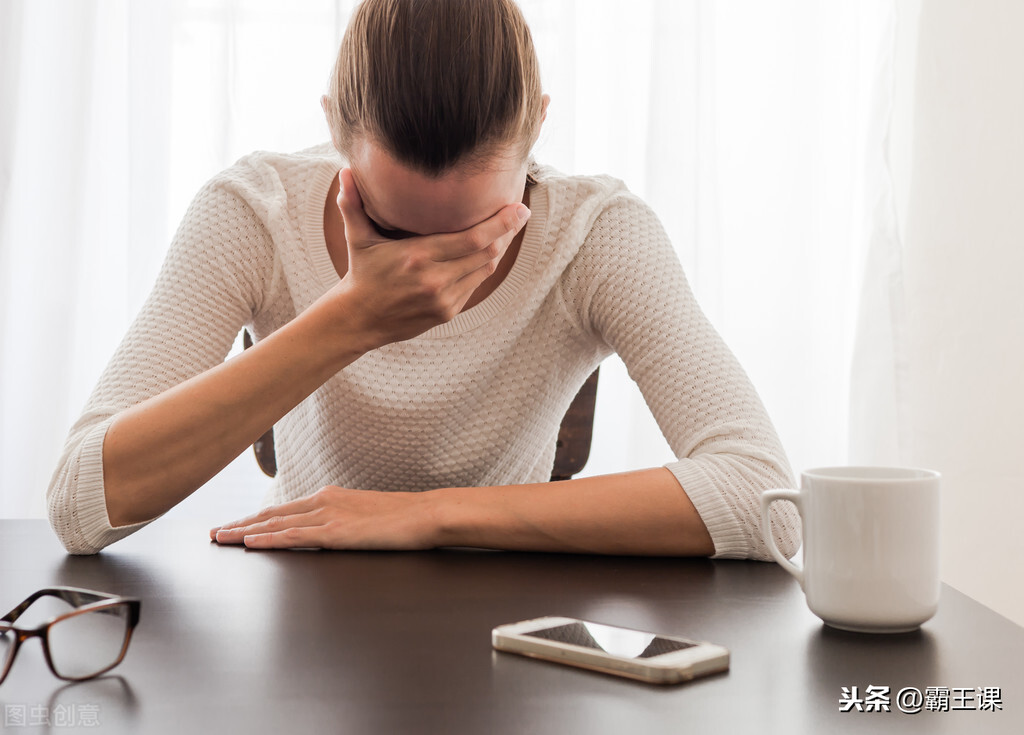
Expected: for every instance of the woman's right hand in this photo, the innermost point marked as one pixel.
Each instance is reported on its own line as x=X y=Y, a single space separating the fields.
x=405 y=287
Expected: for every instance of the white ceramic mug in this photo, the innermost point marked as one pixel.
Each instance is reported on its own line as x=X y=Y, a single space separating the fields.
x=871 y=545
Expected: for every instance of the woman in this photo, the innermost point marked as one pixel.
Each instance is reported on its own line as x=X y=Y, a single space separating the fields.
x=426 y=301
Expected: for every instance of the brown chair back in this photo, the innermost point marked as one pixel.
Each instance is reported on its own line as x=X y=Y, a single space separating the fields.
x=571 y=451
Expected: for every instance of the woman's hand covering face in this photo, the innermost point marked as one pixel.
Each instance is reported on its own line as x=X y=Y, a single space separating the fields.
x=408 y=286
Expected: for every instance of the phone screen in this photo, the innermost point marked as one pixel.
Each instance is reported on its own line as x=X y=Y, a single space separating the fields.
x=616 y=641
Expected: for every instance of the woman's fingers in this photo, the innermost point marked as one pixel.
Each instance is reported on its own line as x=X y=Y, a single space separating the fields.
x=466 y=273
x=273 y=524
x=499 y=230
x=291 y=508
x=289 y=538
x=485 y=260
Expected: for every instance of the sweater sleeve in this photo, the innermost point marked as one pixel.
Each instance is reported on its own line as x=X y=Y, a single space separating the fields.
x=210 y=285
x=635 y=297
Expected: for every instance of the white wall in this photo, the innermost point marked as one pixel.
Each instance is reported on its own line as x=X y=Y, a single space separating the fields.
x=957 y=152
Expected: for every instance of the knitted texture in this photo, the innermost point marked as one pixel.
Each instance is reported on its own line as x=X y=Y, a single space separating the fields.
x=473 y=402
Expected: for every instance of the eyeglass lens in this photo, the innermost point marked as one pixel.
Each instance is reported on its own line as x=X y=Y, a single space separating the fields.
x=90 y=642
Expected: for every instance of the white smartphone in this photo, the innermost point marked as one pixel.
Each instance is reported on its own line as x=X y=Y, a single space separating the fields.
x=658 y=659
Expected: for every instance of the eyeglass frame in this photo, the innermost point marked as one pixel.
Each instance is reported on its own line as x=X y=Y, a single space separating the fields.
x=84 y=601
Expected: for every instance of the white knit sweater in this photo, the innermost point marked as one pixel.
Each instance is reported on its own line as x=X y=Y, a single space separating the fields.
x=476 y=401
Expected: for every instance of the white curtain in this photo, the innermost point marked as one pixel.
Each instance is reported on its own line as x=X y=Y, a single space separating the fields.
x=754 y=129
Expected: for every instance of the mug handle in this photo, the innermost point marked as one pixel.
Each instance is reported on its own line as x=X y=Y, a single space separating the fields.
x=767 y=498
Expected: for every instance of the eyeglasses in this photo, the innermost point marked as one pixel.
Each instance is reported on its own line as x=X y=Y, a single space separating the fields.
x=80 y=644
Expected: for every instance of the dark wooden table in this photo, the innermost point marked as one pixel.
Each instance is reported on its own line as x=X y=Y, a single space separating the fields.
x=236 y=641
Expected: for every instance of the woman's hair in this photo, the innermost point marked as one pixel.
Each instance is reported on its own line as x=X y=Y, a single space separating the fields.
x=436 y=83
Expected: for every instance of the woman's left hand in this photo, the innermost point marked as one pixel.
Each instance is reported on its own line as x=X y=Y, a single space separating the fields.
x=338 y=518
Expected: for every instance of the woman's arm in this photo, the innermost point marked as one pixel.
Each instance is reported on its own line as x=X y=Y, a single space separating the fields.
x=218 y=268
x=634 y=296
x=156 y=453
x=642 y=512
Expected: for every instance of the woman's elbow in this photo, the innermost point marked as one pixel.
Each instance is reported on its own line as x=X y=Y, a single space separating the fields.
x=65 y=525
x=62 y=513
x=73 y=542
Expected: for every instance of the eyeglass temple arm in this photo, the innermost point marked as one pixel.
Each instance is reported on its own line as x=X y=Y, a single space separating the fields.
x=72 y=596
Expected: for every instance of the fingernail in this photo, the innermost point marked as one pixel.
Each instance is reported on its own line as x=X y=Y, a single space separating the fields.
x=522 y=212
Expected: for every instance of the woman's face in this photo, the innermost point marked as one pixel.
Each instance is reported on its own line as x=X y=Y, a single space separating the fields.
x=403 y=202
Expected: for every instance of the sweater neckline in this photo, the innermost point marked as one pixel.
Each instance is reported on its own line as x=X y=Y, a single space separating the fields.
x=496 y=301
